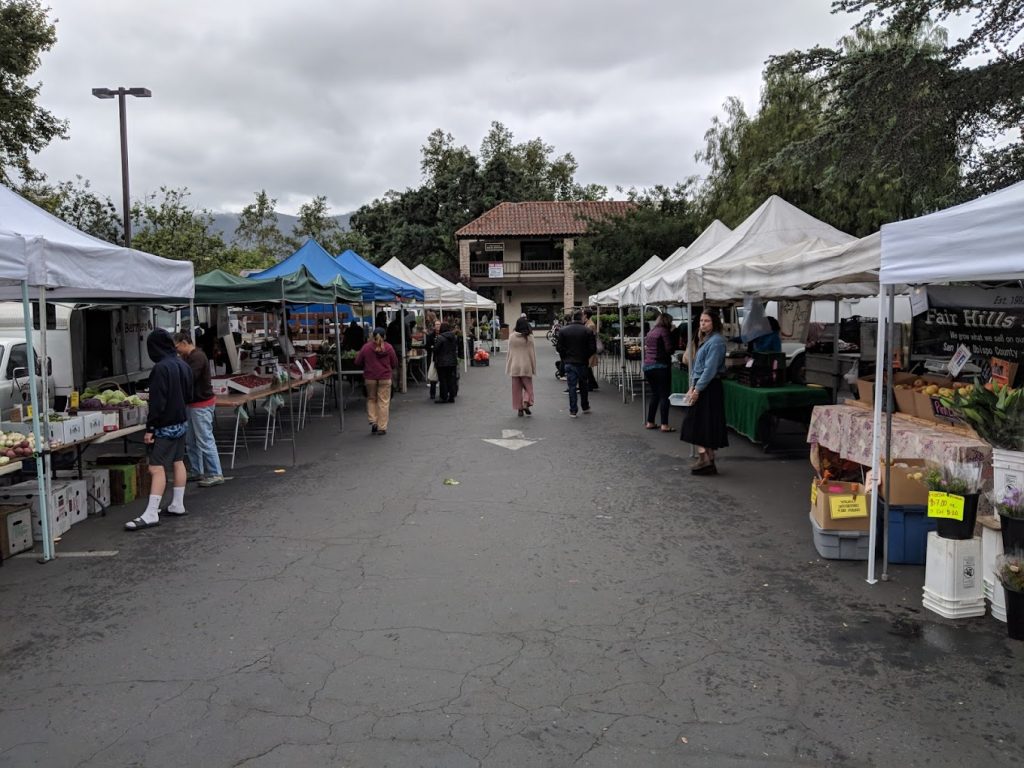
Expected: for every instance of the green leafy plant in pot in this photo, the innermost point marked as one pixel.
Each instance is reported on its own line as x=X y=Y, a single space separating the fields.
x=996 y=414
x=960 y=482
x=1010 y=572
x=1009 y=503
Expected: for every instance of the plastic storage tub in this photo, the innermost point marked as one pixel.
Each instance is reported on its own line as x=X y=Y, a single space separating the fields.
x=840 y=545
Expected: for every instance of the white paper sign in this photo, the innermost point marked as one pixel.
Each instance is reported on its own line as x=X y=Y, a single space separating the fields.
x=918 y=301
x=959 y=360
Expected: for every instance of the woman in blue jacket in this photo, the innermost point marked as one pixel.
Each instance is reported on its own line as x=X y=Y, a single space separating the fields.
x=704 y=424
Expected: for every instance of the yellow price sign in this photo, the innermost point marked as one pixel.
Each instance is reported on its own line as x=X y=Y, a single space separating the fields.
x=946 y=505
x=847 y=505
x=814 y=493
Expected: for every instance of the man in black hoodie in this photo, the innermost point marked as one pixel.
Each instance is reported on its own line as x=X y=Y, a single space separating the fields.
x=170 y=389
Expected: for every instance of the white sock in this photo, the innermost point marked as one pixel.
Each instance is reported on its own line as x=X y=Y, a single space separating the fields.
x=152 y=513
x=178 y=502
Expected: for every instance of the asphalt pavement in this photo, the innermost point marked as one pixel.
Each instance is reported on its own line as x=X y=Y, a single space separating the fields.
x=479 y=589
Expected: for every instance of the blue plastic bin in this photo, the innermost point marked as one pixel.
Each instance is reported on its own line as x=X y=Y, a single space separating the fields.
x=908 y=533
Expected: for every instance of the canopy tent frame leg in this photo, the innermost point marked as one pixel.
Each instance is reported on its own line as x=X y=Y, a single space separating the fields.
x=876 y=432
x=42 y=446
x=337 y=364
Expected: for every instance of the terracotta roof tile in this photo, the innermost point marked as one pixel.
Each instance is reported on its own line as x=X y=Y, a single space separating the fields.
x=533 y=219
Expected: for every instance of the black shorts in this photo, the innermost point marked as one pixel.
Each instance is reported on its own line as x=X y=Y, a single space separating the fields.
x=165 y=451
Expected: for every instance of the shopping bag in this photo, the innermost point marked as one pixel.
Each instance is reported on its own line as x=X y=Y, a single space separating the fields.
x=432 y=373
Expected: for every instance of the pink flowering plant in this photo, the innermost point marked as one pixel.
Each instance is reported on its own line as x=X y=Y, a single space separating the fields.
x=1009 y=502
x=1010 y=570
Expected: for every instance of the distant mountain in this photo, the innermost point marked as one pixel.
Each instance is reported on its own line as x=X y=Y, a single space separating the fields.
x=226 y=223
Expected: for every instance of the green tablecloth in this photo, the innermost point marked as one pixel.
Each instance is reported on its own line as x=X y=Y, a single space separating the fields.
x=680 y=379
x=744 y=406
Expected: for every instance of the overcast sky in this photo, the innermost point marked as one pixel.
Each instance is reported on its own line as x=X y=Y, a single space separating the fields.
x=314 y=97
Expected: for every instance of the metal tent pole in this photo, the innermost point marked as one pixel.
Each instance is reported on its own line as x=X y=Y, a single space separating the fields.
x=888 y=431
x=42 y=444
x=402 y=362
x=622 y=353
x=836 y=377
x=643 y=345
x=337 y=364
x=291 y=409
x=876 y=433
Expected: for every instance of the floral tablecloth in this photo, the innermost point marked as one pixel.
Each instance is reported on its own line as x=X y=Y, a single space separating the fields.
x=846 y=429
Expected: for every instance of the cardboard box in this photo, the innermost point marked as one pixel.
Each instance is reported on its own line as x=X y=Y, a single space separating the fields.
x=56 y=509
x=866 y=390
x=92 y=422
x=129 y=417
x=903 y=490
x=15 y=529
x=923 y=407
x=97 y=486
x=77 y=494
x=124 y=483
x=1003 y=372
x=111 y=421
x=839 y=506
x=220 y=385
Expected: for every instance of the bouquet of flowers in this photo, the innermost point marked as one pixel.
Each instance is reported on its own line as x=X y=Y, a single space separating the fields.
x=1008 y=502
x=961 y=479
x=1010 y=570
x=996 y=412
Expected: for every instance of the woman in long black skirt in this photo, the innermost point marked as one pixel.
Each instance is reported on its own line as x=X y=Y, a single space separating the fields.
x=704 y=423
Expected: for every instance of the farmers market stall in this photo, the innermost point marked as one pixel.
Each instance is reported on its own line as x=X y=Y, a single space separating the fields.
x=38 y=250
x=755 y=411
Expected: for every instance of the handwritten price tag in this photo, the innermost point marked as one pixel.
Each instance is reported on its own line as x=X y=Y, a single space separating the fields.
x=814 y=492
x=945 y=505
x=847 y=505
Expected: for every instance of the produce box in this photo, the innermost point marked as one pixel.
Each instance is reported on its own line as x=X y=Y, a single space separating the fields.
x=56 y=509
x=904 y=400
x=124 y=483
x=97 y=486
x=220 y=385
x=839 y=506
x=250 y=384
x=128 y=417
x=923 y=407
x=15 y=529
x=92 y=422
x=904 y=490
x=66 y=429
x=16 y=441
x=77 y=494
x=111 y=421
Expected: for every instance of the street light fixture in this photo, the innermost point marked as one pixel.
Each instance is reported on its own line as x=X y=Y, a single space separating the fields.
x=120 y=93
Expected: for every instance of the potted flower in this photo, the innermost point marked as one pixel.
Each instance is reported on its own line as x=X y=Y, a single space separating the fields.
x=1009 y=503
x=996 y=412
x=1010 y=571
x=953 y=498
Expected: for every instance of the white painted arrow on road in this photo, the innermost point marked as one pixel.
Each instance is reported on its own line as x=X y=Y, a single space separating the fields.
x=513 y=439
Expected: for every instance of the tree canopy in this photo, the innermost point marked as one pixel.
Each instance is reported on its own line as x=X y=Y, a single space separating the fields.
x=418 y=225
x=25 y=127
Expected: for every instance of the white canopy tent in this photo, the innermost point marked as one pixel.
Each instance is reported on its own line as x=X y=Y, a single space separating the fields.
x=774 y=226
x=979 y=240
x=640 y=292
x=808 y=269
x=433 y=293
x=610 y=296
x=39 y=251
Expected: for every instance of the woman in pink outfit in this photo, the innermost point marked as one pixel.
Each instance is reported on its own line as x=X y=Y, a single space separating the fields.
x=521 y=365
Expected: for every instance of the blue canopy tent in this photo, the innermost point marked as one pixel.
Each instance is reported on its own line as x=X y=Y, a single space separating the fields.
x=352 y=262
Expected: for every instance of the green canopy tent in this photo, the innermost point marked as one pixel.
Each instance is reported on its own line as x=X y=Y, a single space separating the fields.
x=300 y=287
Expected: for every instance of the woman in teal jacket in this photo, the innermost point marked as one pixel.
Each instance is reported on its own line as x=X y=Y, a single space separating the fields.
x=704 y=424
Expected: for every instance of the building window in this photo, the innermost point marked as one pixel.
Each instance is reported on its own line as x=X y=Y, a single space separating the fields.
x=540 y=250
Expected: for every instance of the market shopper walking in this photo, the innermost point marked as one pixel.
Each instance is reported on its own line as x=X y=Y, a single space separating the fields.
x=658 y=371
x=594 y=360
x=200 y=446
x=378 y=360
x=446 y=361
x=576 y=344
x=428 y=345
x=704 y=423
x=521 y=365
x=170 y=390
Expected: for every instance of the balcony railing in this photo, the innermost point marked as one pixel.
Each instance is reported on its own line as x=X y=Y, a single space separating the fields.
x=518 y=268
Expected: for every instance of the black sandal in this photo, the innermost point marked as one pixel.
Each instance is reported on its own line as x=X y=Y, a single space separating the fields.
x=138 y=524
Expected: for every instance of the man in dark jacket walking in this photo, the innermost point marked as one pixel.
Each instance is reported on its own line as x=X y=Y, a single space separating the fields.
x=576 y=344
x=446 y=362
x=170 y=389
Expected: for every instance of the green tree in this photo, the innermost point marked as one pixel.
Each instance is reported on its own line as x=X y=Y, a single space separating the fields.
x=25 y=127
x=662 y=220
x=166 y=225
x=988 y=99
x=418 y=224
x=76 y=203
x=258 y=229
x=316 y=222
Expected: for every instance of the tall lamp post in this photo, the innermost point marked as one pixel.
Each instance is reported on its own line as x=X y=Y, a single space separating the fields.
x=109 y=93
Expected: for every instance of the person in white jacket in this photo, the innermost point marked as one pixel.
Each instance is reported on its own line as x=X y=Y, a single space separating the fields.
x=521 y=365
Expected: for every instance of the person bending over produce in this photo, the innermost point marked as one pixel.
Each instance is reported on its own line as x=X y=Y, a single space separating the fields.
x=170 y=389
